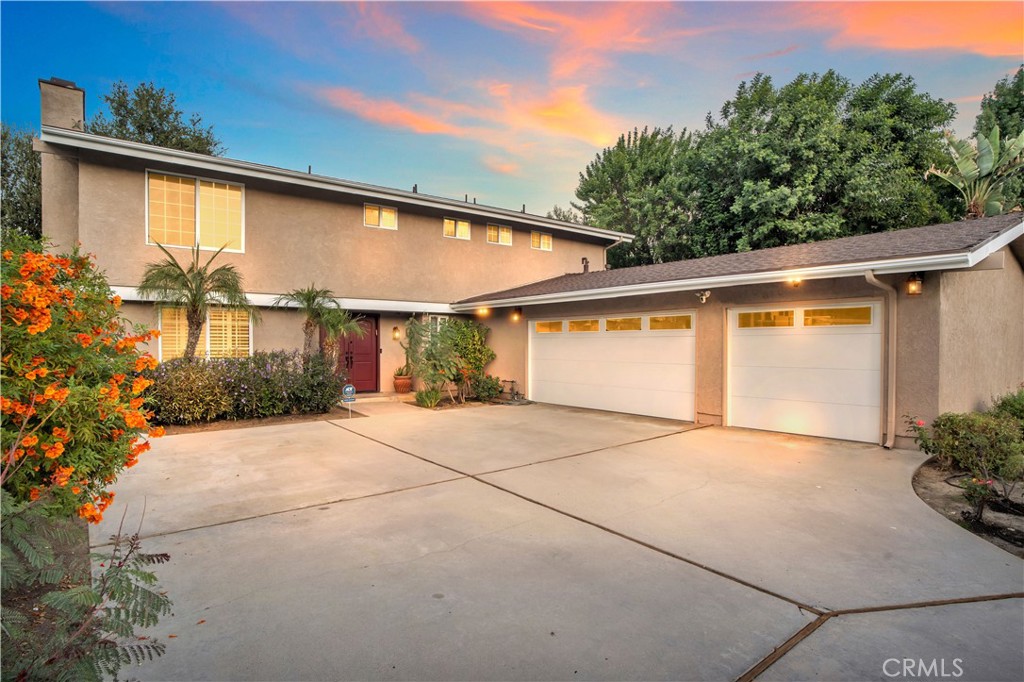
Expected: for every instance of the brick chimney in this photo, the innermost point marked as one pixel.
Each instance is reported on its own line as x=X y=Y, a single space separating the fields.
x=62 y=104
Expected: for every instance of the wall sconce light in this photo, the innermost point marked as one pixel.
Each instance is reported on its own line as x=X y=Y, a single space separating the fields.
x=396 y=333
x=794 y=282
x=517 y=314
x=483 y=312
x=914 y=285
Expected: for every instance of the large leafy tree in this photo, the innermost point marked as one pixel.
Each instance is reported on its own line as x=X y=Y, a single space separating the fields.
x=636 y=187
x=20 y=189
x=195 y=287
x=816 y=158
x=1004 y=108
x=981 y=171
x=151 y=115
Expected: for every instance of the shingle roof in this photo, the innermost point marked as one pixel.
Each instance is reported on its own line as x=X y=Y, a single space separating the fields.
x=951 y=238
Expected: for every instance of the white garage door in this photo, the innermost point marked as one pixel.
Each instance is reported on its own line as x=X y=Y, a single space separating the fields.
x=813 y=370
x=639 y=364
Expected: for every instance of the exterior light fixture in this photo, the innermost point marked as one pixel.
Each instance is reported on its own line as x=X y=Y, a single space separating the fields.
x=914 y=285
x=517 y=314
x=483 y=312
x=794 y=282
x=396 y=333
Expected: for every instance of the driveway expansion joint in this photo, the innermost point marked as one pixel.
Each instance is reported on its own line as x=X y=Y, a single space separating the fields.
x=594 y=524
x=768 y=661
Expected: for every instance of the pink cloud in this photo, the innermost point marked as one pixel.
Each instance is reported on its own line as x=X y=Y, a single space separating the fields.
x=582 y=35
x=775 y=53
x=992 y=29
x=374 y=22
x=387 y=113
x=502 y=166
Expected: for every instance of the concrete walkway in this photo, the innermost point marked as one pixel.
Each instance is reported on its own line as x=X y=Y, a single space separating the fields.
x=536 y=542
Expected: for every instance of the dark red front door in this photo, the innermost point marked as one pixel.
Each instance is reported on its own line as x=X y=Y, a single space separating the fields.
x=360 y=357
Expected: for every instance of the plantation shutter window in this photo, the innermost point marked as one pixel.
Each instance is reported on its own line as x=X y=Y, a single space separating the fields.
x=172 y=210
x=173 y=333
x=220 y=216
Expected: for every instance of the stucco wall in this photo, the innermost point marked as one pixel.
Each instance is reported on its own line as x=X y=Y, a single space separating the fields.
x=59 y=197
x=982 y=336
x=291 y=241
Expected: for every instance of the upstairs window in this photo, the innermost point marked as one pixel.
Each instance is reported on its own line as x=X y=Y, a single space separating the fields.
x=541 y=241
x=499 y=234
x=380 y=216
x=456 y=229
x=184 y=211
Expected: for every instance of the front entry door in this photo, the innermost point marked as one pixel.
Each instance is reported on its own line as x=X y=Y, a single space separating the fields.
x=359 y=358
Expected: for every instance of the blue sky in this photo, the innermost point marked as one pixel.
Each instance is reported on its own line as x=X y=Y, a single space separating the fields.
x=506 y=102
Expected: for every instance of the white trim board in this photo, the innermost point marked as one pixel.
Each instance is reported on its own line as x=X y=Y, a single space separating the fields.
x=358 y=304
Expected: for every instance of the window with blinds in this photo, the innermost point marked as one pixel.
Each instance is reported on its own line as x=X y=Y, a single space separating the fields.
x=225 y=334
x=185 y=211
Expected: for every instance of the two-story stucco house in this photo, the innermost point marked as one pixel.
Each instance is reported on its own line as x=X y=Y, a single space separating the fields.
x=839 y=339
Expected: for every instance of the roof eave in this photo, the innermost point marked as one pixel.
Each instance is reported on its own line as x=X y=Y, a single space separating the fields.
x=77 y=139
x=941 y=262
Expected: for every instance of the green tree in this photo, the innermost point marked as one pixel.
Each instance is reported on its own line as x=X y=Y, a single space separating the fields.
x=1004 y=107
x=338 y=324
x=814 y=159
x=635 y=187
x=20 y=187
x=150 y=114
x=316 y=304
x=566 y=215
x=195 y=288
x=982 y=170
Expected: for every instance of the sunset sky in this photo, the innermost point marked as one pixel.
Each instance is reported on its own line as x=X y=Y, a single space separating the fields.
x=506 y=102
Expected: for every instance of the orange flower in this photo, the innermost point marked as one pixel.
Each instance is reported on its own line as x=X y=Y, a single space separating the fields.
x=60 y=434
x=30 y=440
x=145 y=362
x=136 y=403
x=33 y=494
x=89 y=512
x=53 y=451
x=8 y=254
x=140 y=384
x=157 y=432
x=134 y=420
x=75 y=490
x=62 y=475
x=118 y=378
x=84 y=339
x=116 y=301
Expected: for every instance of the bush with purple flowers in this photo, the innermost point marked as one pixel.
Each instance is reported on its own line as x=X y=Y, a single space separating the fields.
x=262 y=385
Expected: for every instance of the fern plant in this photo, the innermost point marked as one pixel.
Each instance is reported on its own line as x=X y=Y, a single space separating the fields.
x=90 y=633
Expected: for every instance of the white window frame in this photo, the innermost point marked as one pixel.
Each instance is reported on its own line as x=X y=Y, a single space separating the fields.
x=380 y=207
x=434 y=322
x=457 y=221
x=198 y=179
x=206 y=335
x=501 y=228
x=551 y=241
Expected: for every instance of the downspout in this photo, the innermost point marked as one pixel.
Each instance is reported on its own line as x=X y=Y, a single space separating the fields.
x=890 y=357
x=610 y=246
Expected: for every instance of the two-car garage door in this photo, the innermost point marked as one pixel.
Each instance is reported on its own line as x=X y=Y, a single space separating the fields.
x=806 y=369
x=639 y=364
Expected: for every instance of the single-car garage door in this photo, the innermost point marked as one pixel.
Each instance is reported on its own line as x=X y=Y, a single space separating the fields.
x=638 y=363
x=813 y=370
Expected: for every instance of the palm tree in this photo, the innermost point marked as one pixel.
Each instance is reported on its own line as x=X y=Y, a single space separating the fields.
x=981 y=171
x=338 y=324
x=195 y=288
x=321 y=309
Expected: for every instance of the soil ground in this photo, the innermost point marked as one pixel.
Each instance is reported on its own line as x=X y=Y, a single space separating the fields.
x=937 y=487
x=222 y=424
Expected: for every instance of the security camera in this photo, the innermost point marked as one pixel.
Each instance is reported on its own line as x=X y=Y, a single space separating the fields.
x=703 y=296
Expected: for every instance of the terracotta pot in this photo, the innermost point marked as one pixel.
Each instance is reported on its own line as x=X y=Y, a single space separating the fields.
x=403 y=384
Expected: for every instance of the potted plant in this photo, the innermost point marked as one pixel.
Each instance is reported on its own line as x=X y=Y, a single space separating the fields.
x=403 y=379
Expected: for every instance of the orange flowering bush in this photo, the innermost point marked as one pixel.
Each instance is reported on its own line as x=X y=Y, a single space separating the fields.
x=72 y=383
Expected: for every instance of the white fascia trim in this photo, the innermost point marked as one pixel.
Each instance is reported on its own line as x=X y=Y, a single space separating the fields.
x=998 y=242
x=941 y=262
x=356 y=304
x=136 y=150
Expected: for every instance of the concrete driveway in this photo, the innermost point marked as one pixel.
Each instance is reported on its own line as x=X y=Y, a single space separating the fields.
x=536 y=542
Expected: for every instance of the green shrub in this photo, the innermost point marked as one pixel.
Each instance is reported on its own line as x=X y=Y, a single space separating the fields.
x=1011 y=405
x=188 y=391
x=486 y=387
x=428 y=397
x=988 y=445
x=260 y=385
x=318 y=387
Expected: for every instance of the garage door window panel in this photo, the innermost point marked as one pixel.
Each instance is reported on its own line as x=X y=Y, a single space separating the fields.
x=766 y=319
x=549 y=327
x=623 y=324
x=584 y=325
x=832 y=317
x=670 y=322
